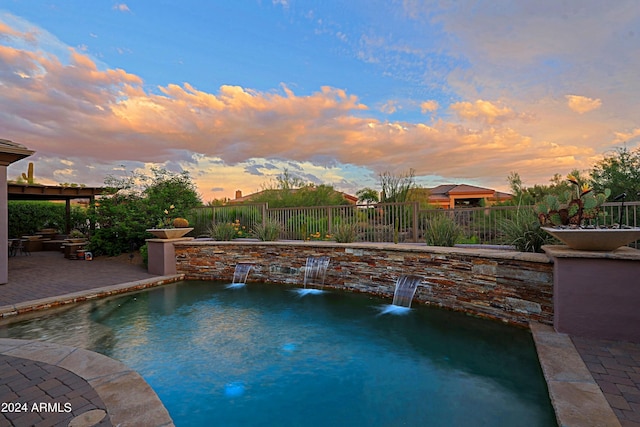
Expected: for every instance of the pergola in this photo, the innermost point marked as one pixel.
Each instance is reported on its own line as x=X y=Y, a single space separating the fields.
x=17 y=191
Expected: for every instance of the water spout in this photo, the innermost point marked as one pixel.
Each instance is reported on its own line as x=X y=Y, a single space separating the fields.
x=315 y=270
x=240 y=274
x=405 y=290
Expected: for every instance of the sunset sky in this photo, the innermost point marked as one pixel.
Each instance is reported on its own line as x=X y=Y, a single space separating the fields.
x=335 y=91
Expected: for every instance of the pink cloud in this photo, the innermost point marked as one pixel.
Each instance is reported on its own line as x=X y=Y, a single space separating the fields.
x=582 y=104
x=74 y=109
x=482 y=110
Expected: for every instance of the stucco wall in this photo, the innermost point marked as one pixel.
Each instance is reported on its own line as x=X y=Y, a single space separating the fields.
x=511 y=286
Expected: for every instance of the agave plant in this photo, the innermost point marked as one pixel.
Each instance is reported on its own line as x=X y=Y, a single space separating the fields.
x=572 y=207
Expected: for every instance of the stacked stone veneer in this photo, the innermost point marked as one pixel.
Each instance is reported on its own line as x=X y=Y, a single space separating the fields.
x=512 y=286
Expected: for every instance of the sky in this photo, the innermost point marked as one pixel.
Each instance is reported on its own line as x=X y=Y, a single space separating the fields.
x=333 y=91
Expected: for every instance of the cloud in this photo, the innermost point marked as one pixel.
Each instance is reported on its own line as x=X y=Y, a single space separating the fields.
x=429 y=106
x=582 y=104
x=68 y=107
x=121 y=7
x=390 y=107
x=482 y=110
x=624 y=137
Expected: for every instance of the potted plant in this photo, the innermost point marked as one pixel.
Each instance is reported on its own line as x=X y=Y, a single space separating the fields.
x=169 y=228
x=76 y=236
x=574 y=218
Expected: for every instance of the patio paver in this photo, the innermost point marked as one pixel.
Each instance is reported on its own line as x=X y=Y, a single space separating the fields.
x=68 y=386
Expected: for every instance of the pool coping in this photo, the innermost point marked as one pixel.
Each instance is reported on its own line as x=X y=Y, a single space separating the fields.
x=108 y=377
x=576 y=397
x=85 y=295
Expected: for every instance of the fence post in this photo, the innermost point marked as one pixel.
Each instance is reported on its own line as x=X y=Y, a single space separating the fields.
x=329 y=220
x=416 y=207
x=265 y=210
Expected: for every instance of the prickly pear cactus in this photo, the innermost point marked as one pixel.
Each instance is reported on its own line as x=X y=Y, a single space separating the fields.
x=571 y=208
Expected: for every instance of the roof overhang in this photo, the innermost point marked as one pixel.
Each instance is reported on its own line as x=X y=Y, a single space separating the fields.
x=17 y=191
x=11 y=152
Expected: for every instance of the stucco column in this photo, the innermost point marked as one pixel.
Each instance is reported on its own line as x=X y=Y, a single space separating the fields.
x=10 y=152
x=4 y=229
x=596 y=294
x=162 y=255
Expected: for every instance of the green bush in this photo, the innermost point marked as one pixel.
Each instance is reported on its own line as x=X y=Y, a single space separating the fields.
x=27 y=217
x=246 y=215
x=524 y=232
x=223 y=231
x=117 y=239
x=345 y=233
x=136 y=203
x=307 y=226
x=267 y=231
x=442 y=231
x=144 y=253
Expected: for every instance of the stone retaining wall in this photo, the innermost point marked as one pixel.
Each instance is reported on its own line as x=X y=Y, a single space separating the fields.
x=511 y=286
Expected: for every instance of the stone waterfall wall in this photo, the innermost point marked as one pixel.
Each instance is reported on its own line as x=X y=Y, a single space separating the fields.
x=514 y=287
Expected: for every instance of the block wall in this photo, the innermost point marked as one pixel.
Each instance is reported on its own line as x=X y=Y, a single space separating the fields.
x=510 y=286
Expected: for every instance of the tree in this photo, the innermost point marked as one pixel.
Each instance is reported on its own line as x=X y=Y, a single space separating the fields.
x=395 y=188
x=367 y=195
x=520 y=197
x=620 y=172
x=291 y=191
x=136 y=202
x=525 y=196
x=165 y=189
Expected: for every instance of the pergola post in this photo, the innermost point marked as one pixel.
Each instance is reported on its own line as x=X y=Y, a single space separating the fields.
x=67 y=216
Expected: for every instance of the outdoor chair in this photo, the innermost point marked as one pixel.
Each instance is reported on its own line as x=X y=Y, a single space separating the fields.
x=18 y=246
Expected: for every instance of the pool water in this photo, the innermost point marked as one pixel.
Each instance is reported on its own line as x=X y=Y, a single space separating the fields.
x=262 y=355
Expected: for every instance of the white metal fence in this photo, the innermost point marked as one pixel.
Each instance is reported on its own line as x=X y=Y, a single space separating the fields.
x=382 y=222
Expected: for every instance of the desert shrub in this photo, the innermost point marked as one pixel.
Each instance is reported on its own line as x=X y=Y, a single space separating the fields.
x=223 y=231
x=345 y=232
x=267 y=231
x=442 y=231
x=524 y=232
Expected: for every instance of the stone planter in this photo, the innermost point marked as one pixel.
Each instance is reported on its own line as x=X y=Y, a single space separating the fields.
x=76 y=240
x=595 y=239
x=169 y=233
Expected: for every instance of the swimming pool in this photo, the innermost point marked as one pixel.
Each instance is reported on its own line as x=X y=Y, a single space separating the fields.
x=263 y=355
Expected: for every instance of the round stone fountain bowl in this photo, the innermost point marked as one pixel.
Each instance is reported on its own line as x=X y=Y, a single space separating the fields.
x=169 y=233
x=595 y=239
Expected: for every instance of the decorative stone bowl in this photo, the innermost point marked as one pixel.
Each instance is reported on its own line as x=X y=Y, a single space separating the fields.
x=595 y=239
x=169 y=233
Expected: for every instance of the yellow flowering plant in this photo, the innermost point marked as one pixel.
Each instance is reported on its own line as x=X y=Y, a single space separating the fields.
x=167 y=220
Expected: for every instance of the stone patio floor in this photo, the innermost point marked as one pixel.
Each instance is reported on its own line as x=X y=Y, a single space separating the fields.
x=579 y=371
x=615 y=366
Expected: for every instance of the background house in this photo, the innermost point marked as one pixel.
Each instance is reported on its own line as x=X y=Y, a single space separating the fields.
x=449 y=196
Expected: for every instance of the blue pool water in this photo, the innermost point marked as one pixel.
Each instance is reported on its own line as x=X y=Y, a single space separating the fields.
x=263 y=355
